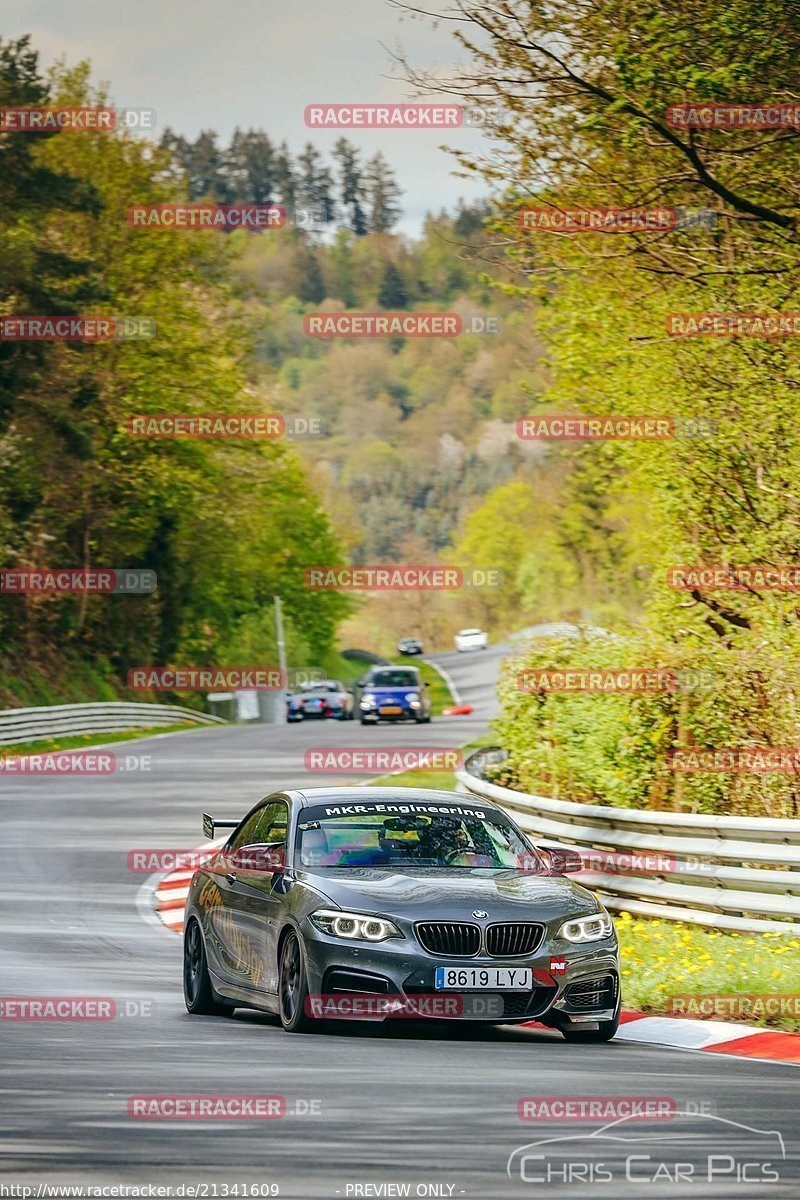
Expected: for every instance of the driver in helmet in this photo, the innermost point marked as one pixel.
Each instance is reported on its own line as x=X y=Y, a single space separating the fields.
x=443 y=838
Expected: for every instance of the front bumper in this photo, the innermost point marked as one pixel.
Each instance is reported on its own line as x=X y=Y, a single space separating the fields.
x=406 y=714
x=334 y=711
x=587 y=991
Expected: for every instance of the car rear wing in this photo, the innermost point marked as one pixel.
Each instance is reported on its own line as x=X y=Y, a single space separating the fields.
x=210 y=825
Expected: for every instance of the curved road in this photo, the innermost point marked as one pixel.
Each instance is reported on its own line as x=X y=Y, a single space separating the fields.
x=400 y=1106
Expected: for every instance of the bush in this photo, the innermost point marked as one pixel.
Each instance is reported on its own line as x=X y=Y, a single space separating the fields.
x=614 y=748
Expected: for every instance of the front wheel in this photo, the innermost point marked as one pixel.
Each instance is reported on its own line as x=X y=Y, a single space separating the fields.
x=605 y=1031
x=293 y=988
x=198 y=993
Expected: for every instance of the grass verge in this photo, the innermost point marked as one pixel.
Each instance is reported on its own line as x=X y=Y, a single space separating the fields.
x=441 y=696
x=664 y=959
x=81 y=741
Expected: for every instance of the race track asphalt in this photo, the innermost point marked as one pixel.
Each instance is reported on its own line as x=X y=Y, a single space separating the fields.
x=406 y=1105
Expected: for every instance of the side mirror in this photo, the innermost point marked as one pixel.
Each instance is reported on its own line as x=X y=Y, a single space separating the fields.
x=268 y=858
x=563 y=862
x=361 y=681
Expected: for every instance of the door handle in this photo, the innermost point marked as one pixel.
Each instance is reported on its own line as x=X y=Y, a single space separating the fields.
x=231 y=877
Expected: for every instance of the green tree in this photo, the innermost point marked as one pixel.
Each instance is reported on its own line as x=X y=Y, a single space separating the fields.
x=392 y=292
x=226 y=525
x=588 y=90
x=383 y=193
x=351 y=186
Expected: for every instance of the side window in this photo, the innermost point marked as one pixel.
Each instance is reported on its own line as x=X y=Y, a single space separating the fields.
x=273 y=822
x=246 y=834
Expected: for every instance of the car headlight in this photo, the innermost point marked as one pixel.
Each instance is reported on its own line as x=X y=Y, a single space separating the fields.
x=587 y=929
x=354 y=926
x=413 y=699
x=367 y=702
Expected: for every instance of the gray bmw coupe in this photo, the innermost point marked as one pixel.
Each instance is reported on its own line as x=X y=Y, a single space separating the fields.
x=389 y=902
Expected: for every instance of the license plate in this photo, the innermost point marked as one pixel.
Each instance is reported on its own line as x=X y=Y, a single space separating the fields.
x=479 y=979
x=390 y=710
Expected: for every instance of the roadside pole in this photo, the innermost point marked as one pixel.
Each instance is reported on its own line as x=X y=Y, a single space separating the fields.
x=279 y=711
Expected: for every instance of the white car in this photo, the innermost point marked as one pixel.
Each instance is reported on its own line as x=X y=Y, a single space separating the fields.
x=471 y=639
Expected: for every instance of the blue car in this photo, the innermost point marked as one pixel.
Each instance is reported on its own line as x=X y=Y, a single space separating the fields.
x=394 y=694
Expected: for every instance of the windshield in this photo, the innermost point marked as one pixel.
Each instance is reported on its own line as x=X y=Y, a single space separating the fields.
x=372 y=839
x=402 y=678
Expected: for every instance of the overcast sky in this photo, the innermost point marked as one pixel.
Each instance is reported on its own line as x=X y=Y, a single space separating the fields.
x=258 y=63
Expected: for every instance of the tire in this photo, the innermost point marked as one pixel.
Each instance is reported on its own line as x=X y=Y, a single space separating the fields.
x=605 y=1031
x=293 y=987
x=365 y=721
x=198 y=993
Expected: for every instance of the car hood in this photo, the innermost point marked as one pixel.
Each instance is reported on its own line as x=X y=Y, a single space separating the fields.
x=451 y=895
x=395 y=695
x=396 y=690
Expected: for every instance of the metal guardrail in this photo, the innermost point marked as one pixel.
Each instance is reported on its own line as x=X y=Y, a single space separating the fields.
x=738 y=873
x=21 y=725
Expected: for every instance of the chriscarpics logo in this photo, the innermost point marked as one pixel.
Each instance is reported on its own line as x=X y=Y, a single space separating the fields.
x=693 y=1149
